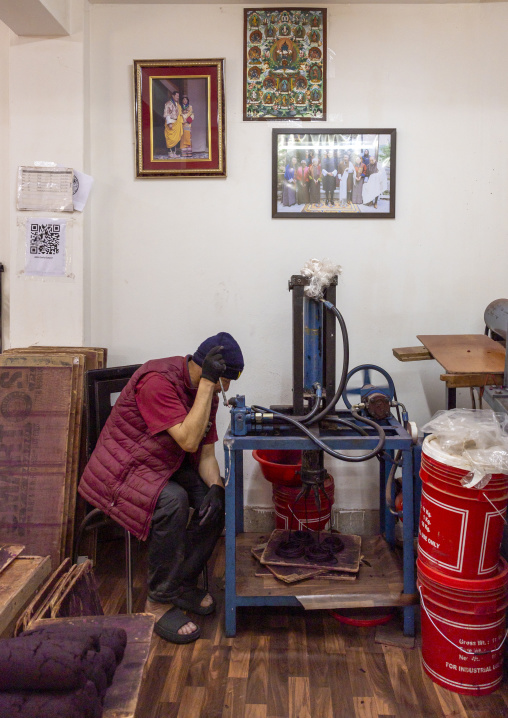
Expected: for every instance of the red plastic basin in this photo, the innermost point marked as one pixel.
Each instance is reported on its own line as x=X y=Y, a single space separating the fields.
x=280 y=466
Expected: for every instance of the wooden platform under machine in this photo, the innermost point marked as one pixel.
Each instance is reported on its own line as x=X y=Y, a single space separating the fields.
x=380 y=580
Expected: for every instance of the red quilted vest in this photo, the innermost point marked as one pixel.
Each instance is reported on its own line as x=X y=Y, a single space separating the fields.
x=128 y=468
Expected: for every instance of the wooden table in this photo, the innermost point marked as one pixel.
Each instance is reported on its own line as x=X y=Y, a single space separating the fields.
x=469 y=360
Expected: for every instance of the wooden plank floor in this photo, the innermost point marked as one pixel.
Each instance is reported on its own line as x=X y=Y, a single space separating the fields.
x=283 y=663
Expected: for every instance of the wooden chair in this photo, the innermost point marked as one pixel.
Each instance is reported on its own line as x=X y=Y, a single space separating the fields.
x=101 y=387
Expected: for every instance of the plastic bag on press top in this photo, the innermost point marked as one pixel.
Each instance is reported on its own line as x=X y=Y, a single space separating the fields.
x=478 y=436
x=321 y=274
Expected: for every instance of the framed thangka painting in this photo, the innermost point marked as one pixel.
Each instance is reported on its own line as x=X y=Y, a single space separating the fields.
x=180 y=118
x=333 y=174
x=284 y=68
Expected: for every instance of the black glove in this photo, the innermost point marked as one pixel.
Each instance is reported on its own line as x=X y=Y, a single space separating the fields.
x=214 y=365
x=213 y=504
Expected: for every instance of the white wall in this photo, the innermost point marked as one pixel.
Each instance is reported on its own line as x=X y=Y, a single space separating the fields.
x=46 y=110
x=176 y=260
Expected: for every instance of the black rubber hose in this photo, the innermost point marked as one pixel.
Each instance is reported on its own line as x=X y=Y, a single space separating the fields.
x=312 y=413
x=345 y=422
x=336 y=454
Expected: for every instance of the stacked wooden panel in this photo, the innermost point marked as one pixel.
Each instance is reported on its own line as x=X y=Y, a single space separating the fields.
x=70 y=591
x=19 y=581
x=41 y=445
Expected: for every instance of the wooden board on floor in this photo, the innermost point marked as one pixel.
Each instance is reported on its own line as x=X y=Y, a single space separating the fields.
x=84 y=359
x=36 y=605
x=38 y=398
x=18 y=584
x=78 y=597
x=8 y=553
x=122 y=696
x=465 y=353
x=70 y=591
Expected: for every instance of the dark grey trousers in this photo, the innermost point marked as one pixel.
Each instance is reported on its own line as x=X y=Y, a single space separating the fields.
x=177 y=552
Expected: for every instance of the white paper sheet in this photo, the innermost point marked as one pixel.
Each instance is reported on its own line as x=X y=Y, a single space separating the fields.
x=81 y=186
x=45 y=189
x=45 y=247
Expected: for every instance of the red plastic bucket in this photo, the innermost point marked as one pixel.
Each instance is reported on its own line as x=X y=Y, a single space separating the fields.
x=280 y=466
x=482 y=595
x=460 y=529
x=304 y=514
x=462 y=649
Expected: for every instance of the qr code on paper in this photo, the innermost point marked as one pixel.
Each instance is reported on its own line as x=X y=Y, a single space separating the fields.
x=44 y=238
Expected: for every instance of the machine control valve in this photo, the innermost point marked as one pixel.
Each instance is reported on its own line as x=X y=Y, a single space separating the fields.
x=376 y=401
x=246 y=421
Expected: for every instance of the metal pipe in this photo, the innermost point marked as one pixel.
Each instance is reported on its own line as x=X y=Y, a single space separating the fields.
x=312 y=344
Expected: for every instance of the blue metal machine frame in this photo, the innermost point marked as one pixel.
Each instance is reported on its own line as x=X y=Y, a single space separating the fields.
x=396 y=439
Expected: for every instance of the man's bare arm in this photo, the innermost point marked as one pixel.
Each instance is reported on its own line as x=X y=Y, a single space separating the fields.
x=208 y=466
x=189 y=433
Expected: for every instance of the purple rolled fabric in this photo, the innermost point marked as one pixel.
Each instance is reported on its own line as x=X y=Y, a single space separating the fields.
x=114 y=638
x=107 y=659
x=94 y=670
x=82 y=703
x=38 y=664
x=65 y=632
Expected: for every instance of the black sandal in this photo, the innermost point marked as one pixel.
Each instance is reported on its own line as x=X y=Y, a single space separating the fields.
x=190 y=600
x=167 y=627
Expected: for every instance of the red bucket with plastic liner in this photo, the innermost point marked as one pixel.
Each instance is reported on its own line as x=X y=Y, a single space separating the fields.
x=280 y=466
x=461 y=528
x=463 y=635
x=305 y=514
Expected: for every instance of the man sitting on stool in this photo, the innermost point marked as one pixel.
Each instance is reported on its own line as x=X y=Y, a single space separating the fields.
x=154 y=460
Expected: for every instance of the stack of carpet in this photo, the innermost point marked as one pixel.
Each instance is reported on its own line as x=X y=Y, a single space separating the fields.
x=58 y=671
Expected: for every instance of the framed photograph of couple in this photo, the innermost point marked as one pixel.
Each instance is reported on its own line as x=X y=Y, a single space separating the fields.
x=180 y=118
x=333 y=174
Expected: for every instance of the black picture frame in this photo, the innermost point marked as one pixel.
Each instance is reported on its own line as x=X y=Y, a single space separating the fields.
x=333 y=173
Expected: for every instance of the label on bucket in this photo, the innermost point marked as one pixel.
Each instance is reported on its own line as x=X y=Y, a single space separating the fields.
x=459 y=539
x=442 y=534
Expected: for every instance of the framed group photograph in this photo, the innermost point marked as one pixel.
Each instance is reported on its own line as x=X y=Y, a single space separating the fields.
x=180 y=118
x=339 y=174
x=284 y=64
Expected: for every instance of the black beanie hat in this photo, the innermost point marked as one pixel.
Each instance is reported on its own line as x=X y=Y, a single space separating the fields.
x=231 y=353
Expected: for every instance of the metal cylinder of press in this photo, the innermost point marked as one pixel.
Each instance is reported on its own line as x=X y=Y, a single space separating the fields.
x=312 y=343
